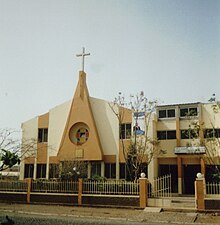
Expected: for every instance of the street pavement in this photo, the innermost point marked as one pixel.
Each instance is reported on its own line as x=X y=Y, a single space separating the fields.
x=23 y=214
x=27 y=220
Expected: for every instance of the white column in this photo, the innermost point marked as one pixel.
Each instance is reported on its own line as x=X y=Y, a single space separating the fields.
x=35 y=168
x=117 y=167
x=102 y=169
x=48 y=165
x=89 y=170
x=21 y=170
x=152 y=171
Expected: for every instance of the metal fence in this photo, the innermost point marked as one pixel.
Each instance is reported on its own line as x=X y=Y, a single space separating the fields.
x=160 y=187
x=54 y=186
x=111 y=187
x=213 y=189
x=13 y=186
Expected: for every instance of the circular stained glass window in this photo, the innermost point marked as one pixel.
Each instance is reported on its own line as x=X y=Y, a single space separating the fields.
x=79 y=133
x=82 y=135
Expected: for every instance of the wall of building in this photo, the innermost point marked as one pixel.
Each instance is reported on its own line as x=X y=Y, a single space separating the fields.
x=29 y=138
x=57 y=121
x=209 y=117
x=107 y=126
x=30 y=130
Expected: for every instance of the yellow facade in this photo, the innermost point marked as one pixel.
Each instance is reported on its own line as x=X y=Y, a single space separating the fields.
x=186 y=154
x=85 y=129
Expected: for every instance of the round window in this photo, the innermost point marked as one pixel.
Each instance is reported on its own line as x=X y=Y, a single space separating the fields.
x=79 y=133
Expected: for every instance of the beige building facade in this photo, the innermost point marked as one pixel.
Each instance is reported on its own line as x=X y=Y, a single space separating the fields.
x=85 y=129
x=184 y=131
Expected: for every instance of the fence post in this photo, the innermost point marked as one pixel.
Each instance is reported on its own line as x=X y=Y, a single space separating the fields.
x=143 y=192
x=80 y=190
x=29 y=184
x=200 y=192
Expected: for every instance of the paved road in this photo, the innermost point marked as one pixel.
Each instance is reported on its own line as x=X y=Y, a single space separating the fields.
x=24 y=214
x=27 y=219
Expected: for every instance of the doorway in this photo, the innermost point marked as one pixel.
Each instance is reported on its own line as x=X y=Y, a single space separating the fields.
x=189 y=177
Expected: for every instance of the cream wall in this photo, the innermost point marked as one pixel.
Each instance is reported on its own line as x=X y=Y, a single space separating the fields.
x=168 y=146
x=30 y=131
x=184 y=123
x=29 y=137
x=166 y=124
x=57 y=121
x=151 y=127
x=153 y=169
x=211 y=120
x=209 y=117
x=107 y=126
x=206 y=116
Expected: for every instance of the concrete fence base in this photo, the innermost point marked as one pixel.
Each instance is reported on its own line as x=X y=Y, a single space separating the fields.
x=79 y=198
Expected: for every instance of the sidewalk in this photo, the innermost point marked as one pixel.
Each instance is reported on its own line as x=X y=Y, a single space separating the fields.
x=110 y=213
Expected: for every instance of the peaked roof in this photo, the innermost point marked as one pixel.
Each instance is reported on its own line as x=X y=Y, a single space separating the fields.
x=80 y=125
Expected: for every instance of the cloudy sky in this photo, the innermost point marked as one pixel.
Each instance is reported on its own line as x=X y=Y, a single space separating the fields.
x=170 y=49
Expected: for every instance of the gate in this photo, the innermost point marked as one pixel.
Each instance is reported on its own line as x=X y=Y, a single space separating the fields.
x=160 y=187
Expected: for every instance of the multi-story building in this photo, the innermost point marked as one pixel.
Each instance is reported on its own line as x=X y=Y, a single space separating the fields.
x=86 y=129
x=182 y=131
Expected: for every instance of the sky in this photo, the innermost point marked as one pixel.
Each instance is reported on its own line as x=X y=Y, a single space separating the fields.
x=169 y=49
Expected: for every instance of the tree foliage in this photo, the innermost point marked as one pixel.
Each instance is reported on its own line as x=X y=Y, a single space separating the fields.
x=8 y=159
x=10 y=148
x=141 y=147
x=72 y=170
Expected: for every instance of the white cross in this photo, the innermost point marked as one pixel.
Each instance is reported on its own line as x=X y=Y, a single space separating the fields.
x=83 y=56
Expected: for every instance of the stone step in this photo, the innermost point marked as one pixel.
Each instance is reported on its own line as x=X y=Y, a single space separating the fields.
x=183 y=202
x=176 y=203
x=181 y=205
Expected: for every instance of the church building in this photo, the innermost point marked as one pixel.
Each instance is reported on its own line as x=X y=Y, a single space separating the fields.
x=84 y=129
